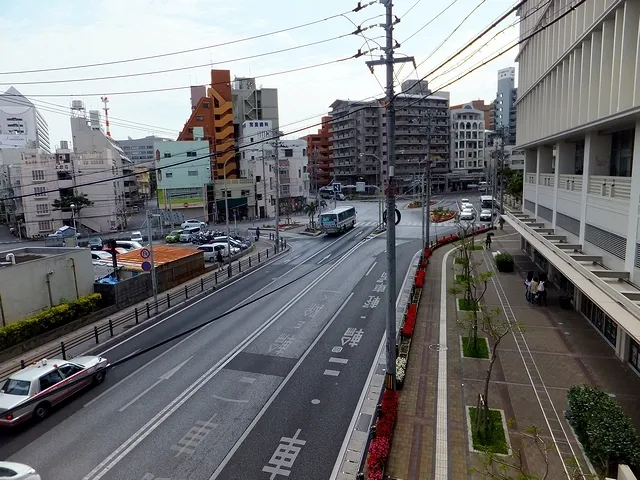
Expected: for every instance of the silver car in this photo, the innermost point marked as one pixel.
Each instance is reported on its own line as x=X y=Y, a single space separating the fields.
x=485 y=216
x=17 y=471
x=467 y=215
x=46 y=383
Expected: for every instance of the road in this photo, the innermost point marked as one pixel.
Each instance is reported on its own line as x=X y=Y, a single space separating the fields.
x=219 y=402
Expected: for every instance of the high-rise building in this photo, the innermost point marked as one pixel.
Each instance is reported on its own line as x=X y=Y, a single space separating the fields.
x=212 y=120
x=505 y=110
x=141 y=150
x=358 y=138
x=467 y=139
x=320 y=161
x=579 y=126
x=21 y=124
x=478 y=105
x=254 y=103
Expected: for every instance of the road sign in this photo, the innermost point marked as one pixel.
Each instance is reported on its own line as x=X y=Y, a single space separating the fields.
x=145 y=253
x=337 y=187
x=185 y=205
x=146 y=266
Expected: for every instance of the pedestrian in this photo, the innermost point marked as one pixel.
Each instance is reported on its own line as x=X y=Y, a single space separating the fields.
x=487 y=242
x=527 y=284
x=542 y=293
x=257 y=233
x=219 y=259
x=533 y=288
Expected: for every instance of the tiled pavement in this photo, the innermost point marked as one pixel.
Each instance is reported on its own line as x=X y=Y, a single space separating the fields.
x=564 y=346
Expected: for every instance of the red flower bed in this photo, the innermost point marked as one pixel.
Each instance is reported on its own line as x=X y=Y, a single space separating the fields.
x=420 y=278
x=381 y=444
x=443 y=218
x=427 y=253
x=410 y=321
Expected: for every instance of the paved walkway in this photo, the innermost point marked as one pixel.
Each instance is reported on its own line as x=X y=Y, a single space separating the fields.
x=561 y=344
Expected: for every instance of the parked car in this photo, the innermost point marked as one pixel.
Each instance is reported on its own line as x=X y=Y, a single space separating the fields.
x=45 y=384
x=232 y=241
x=99 y=255
x=467 y=215
x=136 y=237
x=189 y=233
x=173 y=237
x=192 y=222
x=128 y=245
x=17 y=471
x=95 y=243
x=119 y=250
x=485 y=216
x=211 y=250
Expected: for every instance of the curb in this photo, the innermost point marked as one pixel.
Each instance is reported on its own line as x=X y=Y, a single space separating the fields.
x=170 y=311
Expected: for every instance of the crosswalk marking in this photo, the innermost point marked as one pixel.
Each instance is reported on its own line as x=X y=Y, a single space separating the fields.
x=401 y=224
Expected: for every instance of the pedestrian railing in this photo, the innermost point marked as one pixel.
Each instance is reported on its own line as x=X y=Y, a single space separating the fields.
x=105 y=331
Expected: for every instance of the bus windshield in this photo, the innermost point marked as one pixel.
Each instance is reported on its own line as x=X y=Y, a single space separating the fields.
x=487 y=202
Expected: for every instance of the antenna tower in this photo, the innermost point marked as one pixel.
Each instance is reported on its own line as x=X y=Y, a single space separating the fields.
x=105 y=100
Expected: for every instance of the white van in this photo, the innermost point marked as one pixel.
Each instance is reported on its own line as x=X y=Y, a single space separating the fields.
x=210 y=251
x=128 y=245
x=188 y=234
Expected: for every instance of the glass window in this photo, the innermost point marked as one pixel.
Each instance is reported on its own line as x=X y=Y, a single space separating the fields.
x=610 y=330
x=50 y=379
x=69 y=369
x=633 y=355
x=16 y=387
x=622 y=153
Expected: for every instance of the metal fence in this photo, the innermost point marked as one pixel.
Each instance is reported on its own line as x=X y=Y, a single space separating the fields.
x=105 y=331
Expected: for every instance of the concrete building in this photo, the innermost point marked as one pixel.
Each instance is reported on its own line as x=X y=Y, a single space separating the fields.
x=21 y=124
x=294 y=175
x=251 y=102
x=257 y=164
x=320 y=161
x=141 y=152
x=212 y=120
x=468 y=139
x=505 y=110
x=478 y=105
x=33 y=279
x=358 y=143
x=183 y=175
x=579 y=96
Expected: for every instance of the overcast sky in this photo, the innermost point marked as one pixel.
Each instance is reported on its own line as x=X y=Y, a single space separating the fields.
x=39 y=34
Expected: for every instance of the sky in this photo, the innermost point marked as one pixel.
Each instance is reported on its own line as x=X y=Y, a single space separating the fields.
x=39 y=34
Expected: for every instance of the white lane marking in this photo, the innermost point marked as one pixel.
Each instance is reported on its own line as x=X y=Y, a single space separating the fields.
x=331 y=373
x=248 y=380
x=297 y=256
x=370 y=268
x=365 y=390
x=162 y=378
x=359 y=233
x=231 y=400
x=124 y=449
x=324 y=259
x=275 y=394
x=338 y=360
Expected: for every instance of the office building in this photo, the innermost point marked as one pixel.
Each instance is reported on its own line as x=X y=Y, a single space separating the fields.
x=478 y=105
x=358 y=142
x=467 y=139
x=21 y=124
x=183 y=175
x=251 y=102
x=505 y=110
x=579 y=126
x=320 y=161
x=212 y=120
x=141 y=150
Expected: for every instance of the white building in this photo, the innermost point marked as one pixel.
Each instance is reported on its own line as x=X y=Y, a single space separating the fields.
x=579 y=96
x=21 y=124
x=467 y=139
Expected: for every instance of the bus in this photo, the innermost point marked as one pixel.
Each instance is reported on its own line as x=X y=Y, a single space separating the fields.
x=487 y=202
x=338 y=220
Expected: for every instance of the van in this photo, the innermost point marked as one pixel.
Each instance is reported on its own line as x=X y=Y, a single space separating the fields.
x=128 y=245
x=188 y=233
x=210 y=251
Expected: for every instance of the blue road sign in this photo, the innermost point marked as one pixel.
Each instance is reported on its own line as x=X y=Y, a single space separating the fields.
x=146 y=266
x=145 y=253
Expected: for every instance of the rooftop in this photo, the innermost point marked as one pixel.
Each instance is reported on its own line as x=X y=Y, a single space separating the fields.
x=28 y=254
x=162 y=254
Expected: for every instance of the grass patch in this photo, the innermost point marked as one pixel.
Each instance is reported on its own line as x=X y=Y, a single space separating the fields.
x=477 y=247
x=480 y=351
x=459 y=261
x=495 y=439
x=465 y=305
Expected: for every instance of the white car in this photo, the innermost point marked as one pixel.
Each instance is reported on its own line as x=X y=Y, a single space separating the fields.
x=210 y=251
x=485 y=216
x=17 y=471
x=467 y=215
x=100 y=255
x=192 y=222
x=136 y=237
x=466 y=206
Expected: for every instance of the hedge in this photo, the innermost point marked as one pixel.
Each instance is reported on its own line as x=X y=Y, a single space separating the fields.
x=47 y=320
x=607 y=434
x=504 y=262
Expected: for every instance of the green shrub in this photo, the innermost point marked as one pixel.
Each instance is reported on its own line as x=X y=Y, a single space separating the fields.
x=504 y=262
x=607 y=434
x=47 y=320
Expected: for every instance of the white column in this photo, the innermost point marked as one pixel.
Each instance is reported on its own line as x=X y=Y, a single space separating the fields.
x=538 y=161
x=634 y=201
x=589 y=147
x=565 y=164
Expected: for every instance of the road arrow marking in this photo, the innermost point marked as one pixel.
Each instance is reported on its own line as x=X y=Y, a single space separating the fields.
x=324 y=259
x=164 y=377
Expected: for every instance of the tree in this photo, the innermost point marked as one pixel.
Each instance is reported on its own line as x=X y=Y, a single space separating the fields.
x=311 y=209
x=78 y=202
x=514 y=187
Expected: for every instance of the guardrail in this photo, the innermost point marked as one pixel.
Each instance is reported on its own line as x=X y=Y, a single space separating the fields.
x=166 y=301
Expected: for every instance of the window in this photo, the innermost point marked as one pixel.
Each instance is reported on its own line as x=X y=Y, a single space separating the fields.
x=45 y=226
x=168 y=175
x=50 y=379
x=167 y=154
x=42 y=208
x=37 y=175
x=40 y=191
x=605 y=325
x=192 y=154
x=622 y=153
x=192 y=173
x=69 y=369
x=16 y=387
x=200 y=118
x=288 y=152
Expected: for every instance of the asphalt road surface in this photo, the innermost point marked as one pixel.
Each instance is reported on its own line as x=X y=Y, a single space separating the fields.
x=266 y=390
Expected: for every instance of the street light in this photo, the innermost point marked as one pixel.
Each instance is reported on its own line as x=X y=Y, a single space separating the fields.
x=73 y=220
x=362 y=155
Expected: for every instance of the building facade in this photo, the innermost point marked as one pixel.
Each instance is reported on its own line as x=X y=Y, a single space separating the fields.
x=468 y=139
x=251 y=102
x=479 y=105
x=212 y=120
x=505 y=105
x=257 y=164
x=579 y=126
x=21 y=124
x=320 y=161
x=183 y=174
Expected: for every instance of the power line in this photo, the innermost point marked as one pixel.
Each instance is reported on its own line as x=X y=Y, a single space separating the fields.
x=177 y=69
x=430 y=21
x=190 y=50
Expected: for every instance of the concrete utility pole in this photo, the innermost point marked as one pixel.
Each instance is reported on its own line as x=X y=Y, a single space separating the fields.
x=264 y=184
x=426 y=222
x=154 y=280
x=389 y=62
x=503 y=134
x=277 y=148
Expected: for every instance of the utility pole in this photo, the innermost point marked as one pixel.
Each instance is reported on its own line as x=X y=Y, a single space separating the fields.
x=427 y=173
x=389 y=61
x=315 y=176
x=277 y=148
x=501 y=157
x=154 y=280
x=264 y=184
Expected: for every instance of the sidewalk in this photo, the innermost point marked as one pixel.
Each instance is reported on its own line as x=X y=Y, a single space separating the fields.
x=82 y=339
x=563 y=345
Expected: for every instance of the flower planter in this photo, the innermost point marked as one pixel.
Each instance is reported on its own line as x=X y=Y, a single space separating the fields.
x=405 y=347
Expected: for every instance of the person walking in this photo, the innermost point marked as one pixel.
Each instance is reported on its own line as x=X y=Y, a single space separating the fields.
x=219 y=259
x=533 y=288
x=527 y=285
x=487 y=242
x=257 y=233
x=542 y=293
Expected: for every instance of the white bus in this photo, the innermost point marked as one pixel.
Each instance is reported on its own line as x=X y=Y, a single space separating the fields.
x=338 y=220
x=487 y=202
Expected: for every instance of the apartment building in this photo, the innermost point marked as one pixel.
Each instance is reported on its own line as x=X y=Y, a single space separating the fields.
x=358 y=138
x=141 y=152
x=320 y=161
x=468 y=139
x=505 y=105
x=251 y=102
x=579 y=126
x=257 y=169
x=21 y=123
x=478 y=105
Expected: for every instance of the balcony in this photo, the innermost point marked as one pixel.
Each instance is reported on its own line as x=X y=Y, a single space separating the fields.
x=547 y=180
x=571 y=183
x=618 y=188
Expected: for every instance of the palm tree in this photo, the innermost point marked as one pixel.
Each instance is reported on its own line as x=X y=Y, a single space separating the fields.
x=311 y=209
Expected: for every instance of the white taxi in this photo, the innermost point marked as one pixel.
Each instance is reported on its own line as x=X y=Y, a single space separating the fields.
x=33 y=391
x=17 y=471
